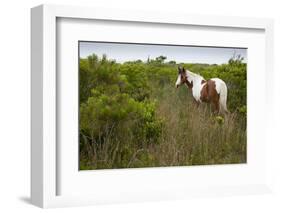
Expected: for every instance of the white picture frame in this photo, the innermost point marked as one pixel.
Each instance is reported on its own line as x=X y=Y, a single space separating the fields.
x=44 y=155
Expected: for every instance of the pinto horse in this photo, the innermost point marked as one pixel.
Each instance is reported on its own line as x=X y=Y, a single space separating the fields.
x=213 y=91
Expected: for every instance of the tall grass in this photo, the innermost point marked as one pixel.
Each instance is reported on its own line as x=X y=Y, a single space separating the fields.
x=190 y=135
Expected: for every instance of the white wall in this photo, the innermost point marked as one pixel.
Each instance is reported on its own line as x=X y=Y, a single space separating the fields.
x=15 y=104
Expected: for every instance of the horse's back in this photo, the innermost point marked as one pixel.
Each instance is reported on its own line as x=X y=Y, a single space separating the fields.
x=220 y=84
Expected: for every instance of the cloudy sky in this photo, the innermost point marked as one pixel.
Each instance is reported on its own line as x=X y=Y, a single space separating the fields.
x=122 y=52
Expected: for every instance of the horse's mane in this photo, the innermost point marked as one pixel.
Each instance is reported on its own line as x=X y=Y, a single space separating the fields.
x=193 y=75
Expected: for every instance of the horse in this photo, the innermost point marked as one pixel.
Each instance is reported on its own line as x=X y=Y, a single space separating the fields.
x=213 y=91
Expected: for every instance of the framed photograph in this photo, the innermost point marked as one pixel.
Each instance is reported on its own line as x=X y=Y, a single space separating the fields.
x=129 y=106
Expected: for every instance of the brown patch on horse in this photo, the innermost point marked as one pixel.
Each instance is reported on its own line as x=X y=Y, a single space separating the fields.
x=209 y=94
x=205 y=93
x=203 y=81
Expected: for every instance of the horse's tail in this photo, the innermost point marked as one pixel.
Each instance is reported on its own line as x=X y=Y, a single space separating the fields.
x=223 y=98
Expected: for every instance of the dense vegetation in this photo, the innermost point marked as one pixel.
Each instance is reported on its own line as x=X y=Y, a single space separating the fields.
x=131 y=115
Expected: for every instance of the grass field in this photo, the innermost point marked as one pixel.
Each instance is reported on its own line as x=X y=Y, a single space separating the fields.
x=188 y=135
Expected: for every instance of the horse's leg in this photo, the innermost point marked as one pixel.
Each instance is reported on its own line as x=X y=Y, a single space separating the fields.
x=196 y=103
x=215 y=106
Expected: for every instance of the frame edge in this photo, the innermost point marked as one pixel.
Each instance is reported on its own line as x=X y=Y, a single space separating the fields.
x=37 y=106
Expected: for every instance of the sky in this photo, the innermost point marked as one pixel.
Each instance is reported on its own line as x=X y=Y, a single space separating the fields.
x=122 y=52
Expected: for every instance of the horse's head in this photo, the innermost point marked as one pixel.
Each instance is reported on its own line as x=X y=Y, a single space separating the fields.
x=182 y=78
